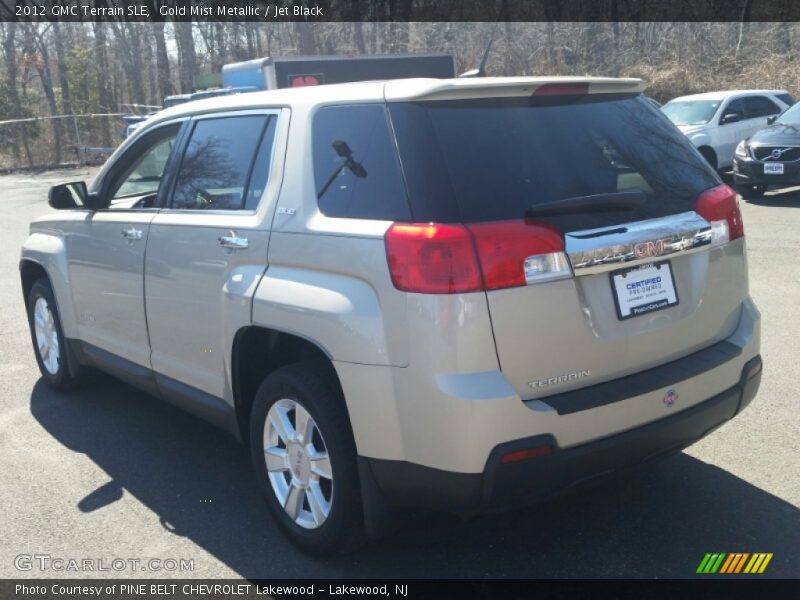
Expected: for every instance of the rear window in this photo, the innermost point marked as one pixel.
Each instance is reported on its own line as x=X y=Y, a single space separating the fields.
x=486 y=160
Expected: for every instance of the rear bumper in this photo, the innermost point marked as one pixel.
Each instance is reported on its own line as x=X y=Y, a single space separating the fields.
x=504 y=485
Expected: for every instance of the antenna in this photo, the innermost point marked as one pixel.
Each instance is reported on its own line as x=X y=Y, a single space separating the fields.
x=481 y=70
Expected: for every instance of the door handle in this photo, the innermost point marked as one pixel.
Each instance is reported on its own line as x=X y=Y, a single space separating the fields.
x=234 y=242
x=131 y=233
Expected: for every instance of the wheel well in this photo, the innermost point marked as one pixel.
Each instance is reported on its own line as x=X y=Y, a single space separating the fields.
x=709 y=154
x=30 y=273
x=257 y=352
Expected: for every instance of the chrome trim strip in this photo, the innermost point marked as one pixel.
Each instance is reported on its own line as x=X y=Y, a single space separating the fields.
x=593 y=251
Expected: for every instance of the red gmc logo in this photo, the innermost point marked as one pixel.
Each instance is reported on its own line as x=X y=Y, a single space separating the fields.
x=652 y=248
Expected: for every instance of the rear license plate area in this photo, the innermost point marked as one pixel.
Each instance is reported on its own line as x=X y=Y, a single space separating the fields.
x=643 y=289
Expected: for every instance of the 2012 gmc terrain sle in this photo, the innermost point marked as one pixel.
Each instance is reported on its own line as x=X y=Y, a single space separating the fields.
x=461 y=294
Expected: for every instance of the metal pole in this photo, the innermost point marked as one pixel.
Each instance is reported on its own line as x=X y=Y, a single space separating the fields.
x=77 y=139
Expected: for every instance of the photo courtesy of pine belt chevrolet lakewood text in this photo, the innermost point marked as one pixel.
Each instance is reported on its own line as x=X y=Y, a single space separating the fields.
x=463 y=294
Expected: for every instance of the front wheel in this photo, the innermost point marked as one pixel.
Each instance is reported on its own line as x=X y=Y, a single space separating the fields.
x=304 y=458
x=749 y=192
x=49 y=344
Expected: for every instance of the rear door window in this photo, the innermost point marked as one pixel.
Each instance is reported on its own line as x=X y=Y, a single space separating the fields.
x=488 y=160
x=760 y=106
x=356 y=170
x=215 y=172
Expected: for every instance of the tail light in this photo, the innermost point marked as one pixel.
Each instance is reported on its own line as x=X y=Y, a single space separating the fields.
x=449 y=259
x=720 y=208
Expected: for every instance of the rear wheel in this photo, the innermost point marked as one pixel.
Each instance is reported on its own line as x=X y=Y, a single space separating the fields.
x=751 y=191
x=304 y=458
x=47 y=335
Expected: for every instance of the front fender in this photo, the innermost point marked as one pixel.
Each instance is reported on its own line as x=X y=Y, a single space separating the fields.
x=48 y=251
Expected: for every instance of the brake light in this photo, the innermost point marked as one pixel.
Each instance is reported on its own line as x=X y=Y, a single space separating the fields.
x=432 y=259
x=515 y=253
x=720 y=208
x=561 y=89
x=449 y=259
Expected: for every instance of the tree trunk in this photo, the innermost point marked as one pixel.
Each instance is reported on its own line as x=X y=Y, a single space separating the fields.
x=162 y=62
x=10 y=50
x=36 y=42
x=103 y=92
x=186 y=55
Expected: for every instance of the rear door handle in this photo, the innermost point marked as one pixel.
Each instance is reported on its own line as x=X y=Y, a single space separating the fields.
x=233 y=241
x=131 y=233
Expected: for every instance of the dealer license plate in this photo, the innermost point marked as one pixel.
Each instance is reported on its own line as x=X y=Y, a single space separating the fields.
x=643 y=289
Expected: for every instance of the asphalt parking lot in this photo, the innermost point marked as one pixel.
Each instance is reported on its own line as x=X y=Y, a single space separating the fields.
x=109 y=472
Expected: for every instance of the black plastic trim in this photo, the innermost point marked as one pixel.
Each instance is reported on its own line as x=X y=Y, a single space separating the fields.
x=197 y=402
x=642 y=382
x=507 y=485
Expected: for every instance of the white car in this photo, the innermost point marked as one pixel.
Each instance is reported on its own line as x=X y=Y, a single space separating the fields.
x=716 y=122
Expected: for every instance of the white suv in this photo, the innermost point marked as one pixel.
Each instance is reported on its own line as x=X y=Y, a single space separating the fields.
x=716 y=122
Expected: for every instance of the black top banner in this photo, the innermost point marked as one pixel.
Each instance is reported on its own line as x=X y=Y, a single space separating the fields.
x=400 y=10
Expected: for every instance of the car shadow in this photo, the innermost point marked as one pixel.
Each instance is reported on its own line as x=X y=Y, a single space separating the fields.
x=657 y=523
x=779 y=198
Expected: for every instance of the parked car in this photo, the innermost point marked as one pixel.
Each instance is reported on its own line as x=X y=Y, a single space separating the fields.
x=465 y=294
x=770 y=156
x=716 y=122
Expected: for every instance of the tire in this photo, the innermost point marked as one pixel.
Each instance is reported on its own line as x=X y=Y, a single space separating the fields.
x=748 y=192
x=709 y=155
x=324 y=514
x=47 y=336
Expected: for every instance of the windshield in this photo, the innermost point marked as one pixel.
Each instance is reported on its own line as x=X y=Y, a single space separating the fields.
x=790 y=117
x=690 y=112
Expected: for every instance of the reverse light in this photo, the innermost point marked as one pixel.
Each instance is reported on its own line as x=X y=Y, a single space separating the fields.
x=449 y=259
x=720 y=208
x=517 y=253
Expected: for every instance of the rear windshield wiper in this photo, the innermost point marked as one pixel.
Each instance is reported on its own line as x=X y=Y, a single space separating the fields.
x=588 y=204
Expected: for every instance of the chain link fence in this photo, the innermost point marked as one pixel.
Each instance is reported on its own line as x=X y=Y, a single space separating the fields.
x=58 y=141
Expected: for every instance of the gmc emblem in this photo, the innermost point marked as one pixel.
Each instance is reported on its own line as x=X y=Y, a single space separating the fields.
x=652 y=248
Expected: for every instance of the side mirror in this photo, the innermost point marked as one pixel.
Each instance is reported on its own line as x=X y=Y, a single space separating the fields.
x=731 y=117
x=73 y=195
x=772 y=119
x=68 y=195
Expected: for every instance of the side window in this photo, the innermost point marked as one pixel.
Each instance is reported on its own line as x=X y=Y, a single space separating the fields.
x=261 y=167
x=356 y=170
x=138 y=182
x=215 y=170
x=760 y=106
x=734 y=106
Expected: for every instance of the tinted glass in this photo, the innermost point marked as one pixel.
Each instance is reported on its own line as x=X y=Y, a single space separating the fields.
x=485 y=160
x=734 y=106
x=787 y=98
x=143 y=176
x=356 y=171
x=690 y=112
x=216 y=165
x=760 y=106
x=791 y=116
x=261 y=167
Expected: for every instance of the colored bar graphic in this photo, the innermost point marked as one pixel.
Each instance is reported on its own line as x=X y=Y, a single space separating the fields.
x=720 y=562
